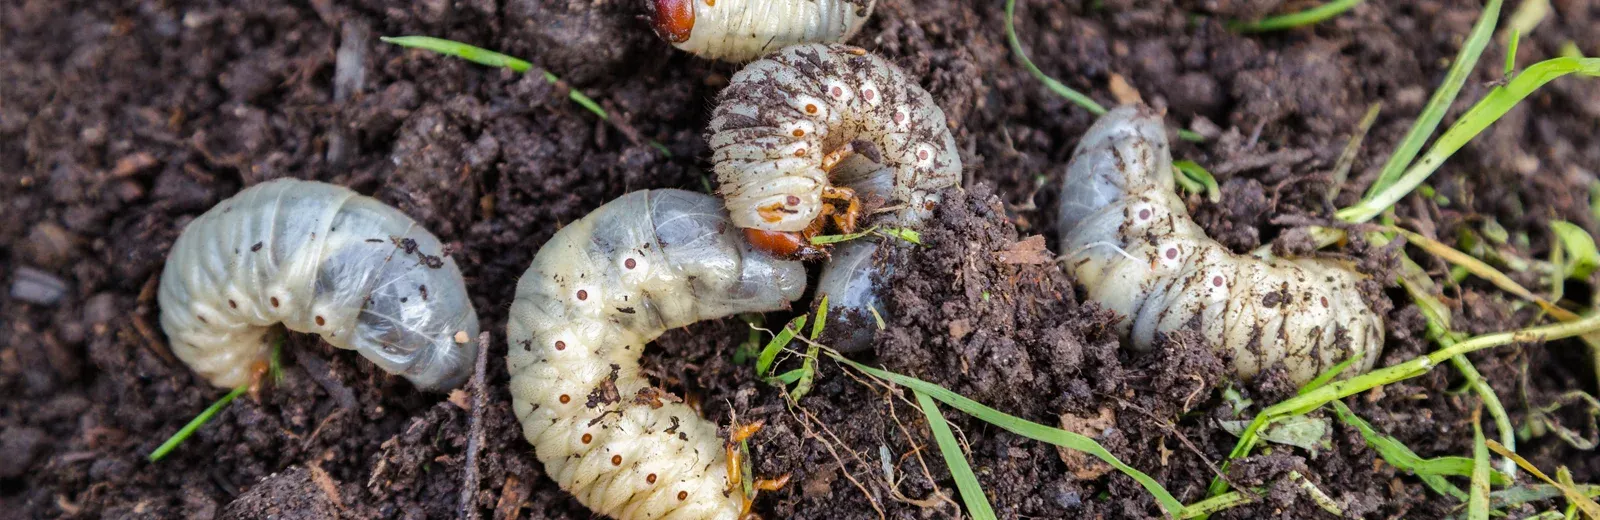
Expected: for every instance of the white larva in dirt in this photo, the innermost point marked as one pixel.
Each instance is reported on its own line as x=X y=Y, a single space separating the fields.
x=600 y=290
x=1129 y=240
x=743 y=30
x=317 y=258
x=793 y=128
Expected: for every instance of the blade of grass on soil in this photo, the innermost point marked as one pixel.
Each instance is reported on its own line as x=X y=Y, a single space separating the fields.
x=1420 y=288
x=1292 y=20
x=966 y=482
x=1061 y=89
x=482 y=56
x=1574 y=494
x=1480 y=116
x=274 y=373
x=1478 y=498
x=1023 y=427
x=1193 y=172
x=779 y=341
x=1305 y=403
x=1437 y=105
x=195 y=424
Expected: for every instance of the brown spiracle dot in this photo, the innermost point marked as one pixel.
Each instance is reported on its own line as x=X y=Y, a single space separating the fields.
x=561 y=345
x=565 y=398
x=837 y=92
x=274 y=301
x=650 y=479
x=922 y=155
x=233 y=304
x=1144 y=214
x=1324 y=302
x=321 y=322
x=683 y=495
x=616 y=460
x=799 y=133
x=583 y=295
x=1217 y=281
x=587 y=438
x=868 y=94
x=1172 y=253
x=630 y=263
x=810 y=108
x=202 y=319
x=792 y=200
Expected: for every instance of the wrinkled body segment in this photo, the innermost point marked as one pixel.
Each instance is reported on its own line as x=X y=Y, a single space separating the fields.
x=322 y=259
x=743 y=30
x=1129 y=240
x=813 y=117
x=599 y=291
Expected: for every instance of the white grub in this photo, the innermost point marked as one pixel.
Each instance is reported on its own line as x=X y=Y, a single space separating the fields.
x=1304 y=313
x=599 y=291
x=322 y=259
x=743 y=30
x=780 y=120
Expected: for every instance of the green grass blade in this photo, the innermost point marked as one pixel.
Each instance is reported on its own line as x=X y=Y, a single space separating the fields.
x=966 y=482
x=1437 y=105
x=1055 y=86
x=822 y=318
x=195 y=424
x=1061 y=89
x=1579 y=246
x=1478 y=499
x=1328 y=375
x=482 y=56
x=822 y=240
x=1193 y=172
x=1292 y=20
x=779 y=341
x=1215 y=504
x=478 y=55
x=1511 y=52
x=906 y=234
x=1023 y=427
x=1495 y=104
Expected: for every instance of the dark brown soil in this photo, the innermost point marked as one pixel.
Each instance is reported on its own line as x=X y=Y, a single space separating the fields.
x=120 y=121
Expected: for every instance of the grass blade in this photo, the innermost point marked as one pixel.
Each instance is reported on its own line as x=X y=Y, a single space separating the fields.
x=1193 y=172
x=1061 y=89
x=195 y=424
x=1574 y=494
x=1437 y=105
x=779 y=341
x=1058 y=87
x=1023 y=427
x=1478 y=499
x=1292 y=20
x=971 y=493
x=482 y=56
x=1487 y=111
x=1347 y=158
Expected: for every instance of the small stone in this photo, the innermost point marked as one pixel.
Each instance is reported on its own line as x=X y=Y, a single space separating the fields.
x=37 y=287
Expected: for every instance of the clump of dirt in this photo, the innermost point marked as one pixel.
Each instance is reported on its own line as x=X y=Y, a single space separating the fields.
x=123 y=121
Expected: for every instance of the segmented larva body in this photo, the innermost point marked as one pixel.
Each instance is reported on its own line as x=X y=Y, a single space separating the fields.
x=1129 y=240
x=783 y=121
x=743 y=30
x=600 y=290
x=317 y=258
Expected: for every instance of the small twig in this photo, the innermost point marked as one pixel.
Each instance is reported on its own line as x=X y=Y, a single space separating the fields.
x=469 y=484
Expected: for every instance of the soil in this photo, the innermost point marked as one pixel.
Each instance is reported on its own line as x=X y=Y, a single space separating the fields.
x=120 y=121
